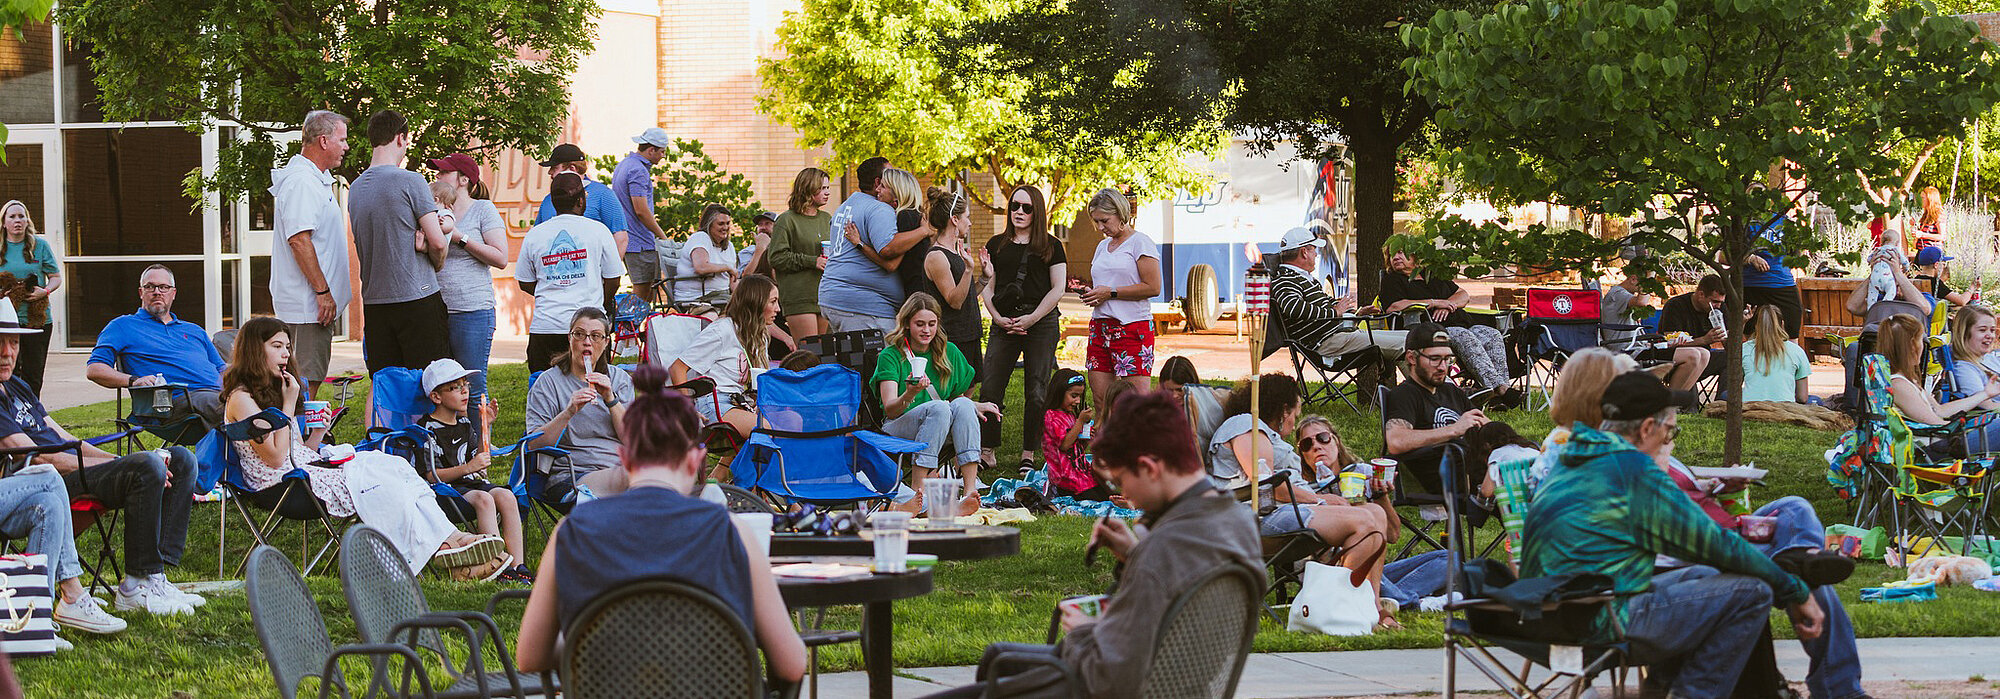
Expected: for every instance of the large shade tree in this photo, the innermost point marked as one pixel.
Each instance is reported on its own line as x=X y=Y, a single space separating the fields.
x=869 y=78
x=1707 y=118
x=479 y=75
x=1318 y=74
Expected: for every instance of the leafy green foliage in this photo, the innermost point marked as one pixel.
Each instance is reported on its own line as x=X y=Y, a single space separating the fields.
x=1322 y=75
x=1705 y=117
x=871 y=77
x=459 y=70
x=685 y=182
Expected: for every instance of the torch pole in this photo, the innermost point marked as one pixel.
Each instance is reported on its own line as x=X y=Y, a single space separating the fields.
x=1256 y=308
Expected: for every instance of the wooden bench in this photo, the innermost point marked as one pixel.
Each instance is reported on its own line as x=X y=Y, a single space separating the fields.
x=1825 y=301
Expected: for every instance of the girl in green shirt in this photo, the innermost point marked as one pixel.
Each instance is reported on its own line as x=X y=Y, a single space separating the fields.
x=924 y=381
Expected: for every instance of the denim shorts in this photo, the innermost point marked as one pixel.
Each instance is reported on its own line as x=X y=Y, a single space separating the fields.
x=1287 y=519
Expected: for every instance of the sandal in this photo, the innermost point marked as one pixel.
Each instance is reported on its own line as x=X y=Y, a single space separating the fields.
x=472 y=553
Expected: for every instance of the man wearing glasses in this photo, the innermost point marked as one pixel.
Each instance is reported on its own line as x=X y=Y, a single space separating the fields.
x=151 y=347
x=1428 y=410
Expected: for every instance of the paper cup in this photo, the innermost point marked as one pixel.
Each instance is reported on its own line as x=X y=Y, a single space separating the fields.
x=315 y=416
x=919 y=366
x=758 y=525
x=1089 y=605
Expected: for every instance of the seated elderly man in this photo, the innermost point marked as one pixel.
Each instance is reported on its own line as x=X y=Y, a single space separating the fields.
x=154 y=488
x=152 y=347
x=1193 y=527
x=1609 y=508
x=1310 y=315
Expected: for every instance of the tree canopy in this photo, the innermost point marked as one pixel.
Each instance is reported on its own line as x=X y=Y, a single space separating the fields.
x=1708 y=118
x=1324 y=75
x=870 y=77
x=470 y=75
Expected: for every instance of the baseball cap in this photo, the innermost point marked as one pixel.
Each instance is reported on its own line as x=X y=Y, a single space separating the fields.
x=565 y=153
x=656 y=137
x=1298 y=238
x=1423 y=336
x=771 y=215
x=1636 y=395
x=457 y=162
x=444 y=371
x=1931 y=255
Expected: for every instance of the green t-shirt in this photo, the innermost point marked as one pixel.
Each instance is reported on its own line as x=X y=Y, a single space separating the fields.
x=894 y=365
x=35 y=273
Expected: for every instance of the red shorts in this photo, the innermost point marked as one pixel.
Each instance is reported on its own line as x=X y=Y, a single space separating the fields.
x=1120 y=349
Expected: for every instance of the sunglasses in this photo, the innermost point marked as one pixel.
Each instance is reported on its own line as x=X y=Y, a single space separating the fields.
x=1322 y=438
x=1021 y=206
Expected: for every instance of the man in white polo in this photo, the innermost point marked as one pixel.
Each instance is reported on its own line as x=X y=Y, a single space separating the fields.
x=309 y=286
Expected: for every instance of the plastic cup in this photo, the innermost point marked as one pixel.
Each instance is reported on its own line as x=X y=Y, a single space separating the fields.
x=315 y=416
x=919 y=365
x=892 y=541
x=941 y=499
x=759 y=525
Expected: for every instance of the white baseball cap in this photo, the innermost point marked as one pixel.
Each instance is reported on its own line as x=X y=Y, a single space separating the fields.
x=655 y=136
x=1298 y=238
x=444 y=371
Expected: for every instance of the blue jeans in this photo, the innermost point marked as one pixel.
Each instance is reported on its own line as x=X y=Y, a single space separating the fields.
x=36 y=506
x=1695 y=628
x=1835 y=672
x=1414 y=578
x=932 y=422
x=472 y=345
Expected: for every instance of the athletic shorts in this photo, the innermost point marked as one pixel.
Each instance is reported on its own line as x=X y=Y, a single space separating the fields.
x=642 y=267
x=1120 y=349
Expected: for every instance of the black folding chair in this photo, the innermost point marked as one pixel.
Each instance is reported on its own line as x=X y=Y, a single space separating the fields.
x=1339 y=378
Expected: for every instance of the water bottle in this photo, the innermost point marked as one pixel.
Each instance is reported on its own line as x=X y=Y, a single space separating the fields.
x=713 y=493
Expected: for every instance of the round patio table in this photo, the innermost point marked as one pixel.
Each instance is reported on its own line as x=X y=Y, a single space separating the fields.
x=971 y=542
x=875 y=592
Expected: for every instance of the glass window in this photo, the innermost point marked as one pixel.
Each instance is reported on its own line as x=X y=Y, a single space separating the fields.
x=81 y=102
x=21 y=178
x=100 y=291
x=27 y=75
x=123 y=192
x=260 y=289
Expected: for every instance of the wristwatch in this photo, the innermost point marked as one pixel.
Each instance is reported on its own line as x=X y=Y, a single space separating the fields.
x=1114 y=294
x=612 y=402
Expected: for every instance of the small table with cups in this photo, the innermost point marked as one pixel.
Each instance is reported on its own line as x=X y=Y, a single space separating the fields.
x=875 y=592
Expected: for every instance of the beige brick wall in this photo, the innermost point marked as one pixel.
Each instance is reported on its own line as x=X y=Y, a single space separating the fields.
x=708 y=89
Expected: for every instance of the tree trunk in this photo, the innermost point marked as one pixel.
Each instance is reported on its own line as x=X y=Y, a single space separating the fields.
x=1735 y=245
x=1374 y=209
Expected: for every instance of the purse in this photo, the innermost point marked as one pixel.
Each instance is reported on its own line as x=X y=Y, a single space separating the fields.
x=27 y=607
x=1336 y=600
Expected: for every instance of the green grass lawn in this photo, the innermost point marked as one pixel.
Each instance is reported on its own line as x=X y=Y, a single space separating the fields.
x=215 y=654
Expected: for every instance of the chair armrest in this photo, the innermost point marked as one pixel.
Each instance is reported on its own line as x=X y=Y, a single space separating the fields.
x=1015 y=680
x=493 y=603
x=329 y=673
x=113 y=437
x=483 y=621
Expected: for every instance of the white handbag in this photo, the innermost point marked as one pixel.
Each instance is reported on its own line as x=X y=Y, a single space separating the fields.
x=1335 y=600
x=27 y=609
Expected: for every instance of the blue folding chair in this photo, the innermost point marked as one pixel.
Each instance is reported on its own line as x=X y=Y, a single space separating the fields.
x=396 y=405
x=808 y=446
x=290 y=499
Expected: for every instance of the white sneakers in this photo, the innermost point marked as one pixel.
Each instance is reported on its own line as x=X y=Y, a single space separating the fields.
x=87 y=614
x=154 y=595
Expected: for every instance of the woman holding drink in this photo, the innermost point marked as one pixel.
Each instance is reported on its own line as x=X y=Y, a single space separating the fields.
x=924 y=383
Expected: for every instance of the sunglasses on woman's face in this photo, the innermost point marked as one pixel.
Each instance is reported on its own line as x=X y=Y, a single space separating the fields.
x=1021 y=206
x=1318 y=438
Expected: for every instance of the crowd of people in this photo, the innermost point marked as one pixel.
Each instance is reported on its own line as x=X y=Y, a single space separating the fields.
x=1215 y=469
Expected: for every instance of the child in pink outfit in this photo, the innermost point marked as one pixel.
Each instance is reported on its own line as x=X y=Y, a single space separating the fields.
x=1063 y=443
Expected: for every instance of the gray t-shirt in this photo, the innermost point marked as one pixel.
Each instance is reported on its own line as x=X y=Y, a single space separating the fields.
x=590 y=439
x=384 y=206
x=468 y=283
x=1615 y=307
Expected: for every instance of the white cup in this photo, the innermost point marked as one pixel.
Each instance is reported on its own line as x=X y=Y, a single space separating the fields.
x=892 y=541
x=757 y=524
x=941 y=500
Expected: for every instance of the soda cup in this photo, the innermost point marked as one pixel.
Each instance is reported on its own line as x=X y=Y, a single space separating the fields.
x=316 y=415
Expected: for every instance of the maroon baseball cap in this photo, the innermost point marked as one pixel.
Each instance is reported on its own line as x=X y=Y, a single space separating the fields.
x=459 y=163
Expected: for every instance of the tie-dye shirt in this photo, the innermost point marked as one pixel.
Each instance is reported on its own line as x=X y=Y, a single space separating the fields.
x=1607 y=508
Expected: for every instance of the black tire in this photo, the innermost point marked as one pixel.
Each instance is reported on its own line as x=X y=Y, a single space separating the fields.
x=1199 y=306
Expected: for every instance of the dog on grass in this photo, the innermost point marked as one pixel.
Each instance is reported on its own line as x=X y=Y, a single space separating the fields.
x=1951 y=570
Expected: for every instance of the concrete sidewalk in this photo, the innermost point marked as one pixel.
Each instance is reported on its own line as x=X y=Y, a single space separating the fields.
x=1374 y=672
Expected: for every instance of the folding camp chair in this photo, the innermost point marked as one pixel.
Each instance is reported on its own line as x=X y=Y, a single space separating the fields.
x=87 y=514
x=1923 y=493
x=856 y=350
x=629 y=314
x=808 y=446
x=290 y=499
x=1338 y=377
x=164 y=411
x=1559 y=323
x=1478 y=624
x=397 y=405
